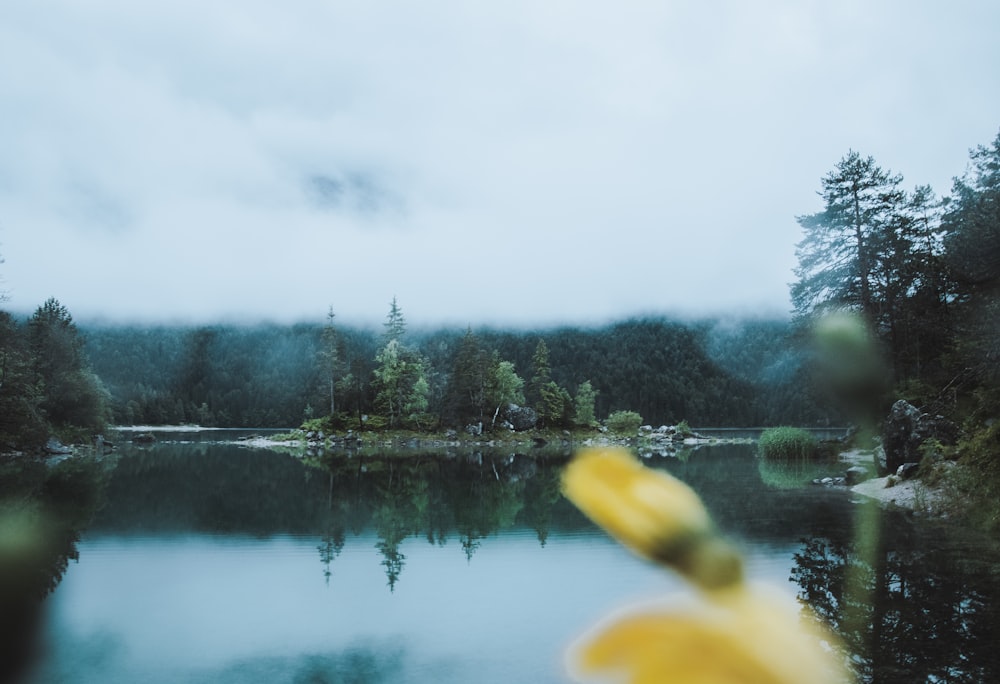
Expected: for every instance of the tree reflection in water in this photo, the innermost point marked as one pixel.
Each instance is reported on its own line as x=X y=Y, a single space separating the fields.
x=913 y=603
x=43 y=509
x=473 y=495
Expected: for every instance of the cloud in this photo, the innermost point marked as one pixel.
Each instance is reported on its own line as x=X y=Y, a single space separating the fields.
x=521 y=161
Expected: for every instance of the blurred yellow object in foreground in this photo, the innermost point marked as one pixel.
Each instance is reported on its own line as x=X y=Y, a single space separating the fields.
x=656 y=515
x=731 y=633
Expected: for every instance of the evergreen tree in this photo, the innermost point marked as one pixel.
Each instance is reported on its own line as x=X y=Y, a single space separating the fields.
x=395 y=323
x=972 y=243
x=72 y=396
x=21 y=422
x=541 y=372
x=839 y=254
x=556 y=406
x=586 y=397
x=468 y=385
x=329 y=355
x=401 y=375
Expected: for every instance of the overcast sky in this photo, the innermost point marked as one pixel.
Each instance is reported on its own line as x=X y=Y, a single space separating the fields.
x=521 y=162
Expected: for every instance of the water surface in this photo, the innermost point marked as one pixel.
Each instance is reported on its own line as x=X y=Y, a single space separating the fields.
x=211 y=562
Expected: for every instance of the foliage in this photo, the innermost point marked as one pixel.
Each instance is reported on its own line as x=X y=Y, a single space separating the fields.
x=72 y=394
x=624 y=422
x=467 y=394
x=46 y=384
x=683 y=429
x=923 y=277
x=974 y=487
x=506 y=387
x=555 y=408
x=400 y=385
x=330 y=358
x=583 y=404
x=787 y=444
x=323 y=424
x=877 y=250
x=749 y=373
x=22 y=424
x=541 y=372
x=395 y=322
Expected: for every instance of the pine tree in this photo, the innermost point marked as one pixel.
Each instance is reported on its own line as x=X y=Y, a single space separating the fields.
x=395 y=323
x=72 y=396
x=329 y=355
x=541 y=372
x=840 y=252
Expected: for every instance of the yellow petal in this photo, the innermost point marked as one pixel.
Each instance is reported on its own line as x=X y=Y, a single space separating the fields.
x=652 y=513
x=739 y=637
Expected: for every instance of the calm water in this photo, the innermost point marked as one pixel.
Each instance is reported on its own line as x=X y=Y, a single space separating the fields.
x=211 y=562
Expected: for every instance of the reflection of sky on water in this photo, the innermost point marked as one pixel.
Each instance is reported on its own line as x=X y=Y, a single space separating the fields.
x=176 y=607
x=206 y=564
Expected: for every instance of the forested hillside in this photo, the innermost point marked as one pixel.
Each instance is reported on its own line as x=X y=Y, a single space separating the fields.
x=276 y=376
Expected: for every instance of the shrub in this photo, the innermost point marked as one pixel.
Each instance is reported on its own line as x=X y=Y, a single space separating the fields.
x=787 y=443
x=324 y=425
x=683 y=429
x=624 y=422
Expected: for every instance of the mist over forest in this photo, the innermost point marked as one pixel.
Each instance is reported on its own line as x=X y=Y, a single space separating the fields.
x=708 y=372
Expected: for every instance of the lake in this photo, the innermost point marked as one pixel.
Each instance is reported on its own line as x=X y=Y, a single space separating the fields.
x=208 y=561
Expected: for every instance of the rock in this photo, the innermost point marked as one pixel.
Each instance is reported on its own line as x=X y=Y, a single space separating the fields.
x=57 y=448
x=521 y=418
x=905 y=430
x=907 y=470
x=144 y=438
x=475 y=430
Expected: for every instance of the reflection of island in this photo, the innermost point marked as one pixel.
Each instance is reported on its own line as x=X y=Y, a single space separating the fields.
x=470 y=496
x=42 y=511
x=905 y=610
x=462 y=496
x=474 y=496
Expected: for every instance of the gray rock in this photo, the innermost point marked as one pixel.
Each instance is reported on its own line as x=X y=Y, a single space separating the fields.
x=907 y=470
x=521 y=418
x=905 y=430
x=55 y=447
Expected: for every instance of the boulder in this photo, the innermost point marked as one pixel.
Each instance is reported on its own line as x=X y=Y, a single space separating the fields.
x=56 y=448
x=905 y=430
x=521 y=418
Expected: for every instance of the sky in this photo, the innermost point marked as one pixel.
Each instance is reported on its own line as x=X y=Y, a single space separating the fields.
x=523 y=162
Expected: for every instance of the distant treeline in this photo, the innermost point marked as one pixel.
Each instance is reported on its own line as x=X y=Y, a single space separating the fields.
x=708 y=372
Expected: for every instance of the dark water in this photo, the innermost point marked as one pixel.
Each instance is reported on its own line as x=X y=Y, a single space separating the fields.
x=209 y=562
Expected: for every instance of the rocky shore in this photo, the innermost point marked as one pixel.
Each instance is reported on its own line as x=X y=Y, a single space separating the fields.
x=895 y=490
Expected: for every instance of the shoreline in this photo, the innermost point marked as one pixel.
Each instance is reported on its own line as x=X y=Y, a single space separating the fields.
x=891 y=491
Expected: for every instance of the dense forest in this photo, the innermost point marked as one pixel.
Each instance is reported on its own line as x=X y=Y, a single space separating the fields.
x=708 y=373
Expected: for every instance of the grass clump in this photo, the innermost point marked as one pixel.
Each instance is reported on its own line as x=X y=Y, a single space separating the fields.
x=624 y=422
x=683 y=429
x=787 y=444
